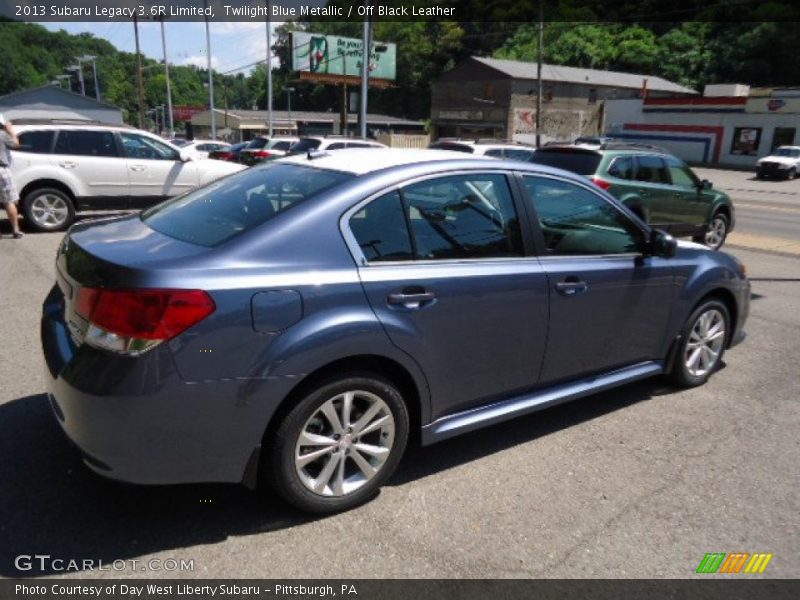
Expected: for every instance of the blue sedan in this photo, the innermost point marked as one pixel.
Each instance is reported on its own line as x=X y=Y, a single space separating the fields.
x=294 y=323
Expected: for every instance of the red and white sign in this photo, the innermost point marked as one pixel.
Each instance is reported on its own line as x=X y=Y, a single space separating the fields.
x=185 y=113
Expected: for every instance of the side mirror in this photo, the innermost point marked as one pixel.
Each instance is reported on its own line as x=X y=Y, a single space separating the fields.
x=662 y=244
x=185 y=156
x=706 y=185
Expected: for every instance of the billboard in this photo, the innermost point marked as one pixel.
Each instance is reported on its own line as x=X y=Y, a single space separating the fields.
x=334 y=55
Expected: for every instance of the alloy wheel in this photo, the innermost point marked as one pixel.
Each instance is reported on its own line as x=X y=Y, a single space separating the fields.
x=717 y=230
x=49 y=211
x=344 y=444
x=705 y=343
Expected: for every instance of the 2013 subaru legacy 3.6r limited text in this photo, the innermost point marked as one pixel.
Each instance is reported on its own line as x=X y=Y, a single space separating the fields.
x=295 y=322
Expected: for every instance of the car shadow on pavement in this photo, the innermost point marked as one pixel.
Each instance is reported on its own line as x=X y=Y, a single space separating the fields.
x=420 y=462
x=51 y=504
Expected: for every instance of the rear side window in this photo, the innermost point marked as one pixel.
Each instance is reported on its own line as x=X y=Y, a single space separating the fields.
x=381 y=230
x=582 y=163
x=86 y=143
x=38 y=142
x=651 y=169
x=231 y=206
x=336 y=146
x=622 y=167
x=459 y=217
x=463 y=216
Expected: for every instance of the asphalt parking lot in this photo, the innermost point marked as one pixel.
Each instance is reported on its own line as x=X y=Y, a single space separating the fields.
x=638 y=482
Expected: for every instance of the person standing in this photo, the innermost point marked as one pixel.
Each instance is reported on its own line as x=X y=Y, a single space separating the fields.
x=9 y=197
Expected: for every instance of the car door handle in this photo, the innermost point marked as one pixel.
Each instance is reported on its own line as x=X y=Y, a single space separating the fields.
x=571 y=287
x=68 y=164
x=411 y=298
x=138 y=167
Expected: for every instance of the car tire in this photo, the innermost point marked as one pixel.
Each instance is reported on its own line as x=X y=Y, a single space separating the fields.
x=355 y=449
x=716 y=231
x=702 y=343
x=791 y=173
x=48 y=209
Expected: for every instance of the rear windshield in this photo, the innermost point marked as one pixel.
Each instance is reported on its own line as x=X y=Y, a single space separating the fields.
x=451 y=146
x=582 y=163
x=305 y=145
x=226 y=208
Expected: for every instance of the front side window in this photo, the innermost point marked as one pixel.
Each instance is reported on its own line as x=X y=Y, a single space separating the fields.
x=140 y=146
x=651 y=169
x=86 y=143
x=681 y=174
x=231 y=206
x=38 y=142
x=576 y=221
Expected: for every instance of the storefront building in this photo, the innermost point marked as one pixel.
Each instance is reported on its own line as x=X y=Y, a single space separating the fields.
x=718 y=130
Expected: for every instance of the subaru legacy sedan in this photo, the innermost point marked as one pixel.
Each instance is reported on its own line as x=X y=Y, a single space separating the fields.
x=295 y=323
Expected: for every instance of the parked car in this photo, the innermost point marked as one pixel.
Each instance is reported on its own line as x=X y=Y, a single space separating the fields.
x=659 y=187
x=783 y=163
x=332 y=142
x=263 y=148
x=206 y=339
x=61 y=169
x=488 y=147
x=202 y=148
x=230 y=154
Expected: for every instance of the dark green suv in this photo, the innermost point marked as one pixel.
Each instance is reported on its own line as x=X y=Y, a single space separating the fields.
x=660 y=188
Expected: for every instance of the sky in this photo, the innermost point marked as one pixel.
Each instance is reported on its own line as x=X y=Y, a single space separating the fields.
x=235 y=46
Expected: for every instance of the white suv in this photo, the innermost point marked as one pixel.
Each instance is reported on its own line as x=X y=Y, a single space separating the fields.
x=60 y=169
x=488 y=147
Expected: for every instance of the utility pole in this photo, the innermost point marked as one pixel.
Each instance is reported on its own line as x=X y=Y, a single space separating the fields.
x=88 y=58
x=365 y=55
x=289 y=91
x=139 y=84
x=171 y=129
x=539 y=78
x=269 y=69
x=210 y=79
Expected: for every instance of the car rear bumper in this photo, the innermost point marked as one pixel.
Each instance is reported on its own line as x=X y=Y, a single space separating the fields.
x=135 y=420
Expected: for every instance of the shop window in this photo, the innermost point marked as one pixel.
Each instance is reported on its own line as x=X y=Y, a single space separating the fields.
x=746 y=140
x=784 y=136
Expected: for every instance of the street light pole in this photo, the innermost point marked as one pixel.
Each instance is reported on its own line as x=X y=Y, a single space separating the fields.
x=171 y=130
x=269 y=68
x=365 y=55
x=289 y=91
x=139 y=84
x=88 y=58
x=210 y=78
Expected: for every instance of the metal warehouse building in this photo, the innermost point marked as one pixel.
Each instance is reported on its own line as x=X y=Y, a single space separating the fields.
x=732 y=130
x=489 y=97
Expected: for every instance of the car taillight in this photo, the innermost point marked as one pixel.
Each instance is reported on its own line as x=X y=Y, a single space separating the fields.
x=262 y=153
x=601 y=183
x=134 y=321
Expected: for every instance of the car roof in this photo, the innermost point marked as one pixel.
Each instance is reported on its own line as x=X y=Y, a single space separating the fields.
x=360 y=161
